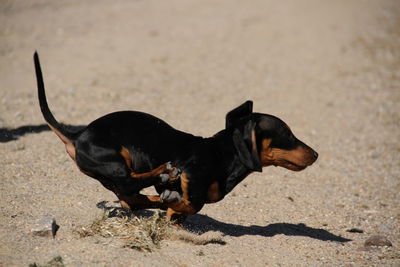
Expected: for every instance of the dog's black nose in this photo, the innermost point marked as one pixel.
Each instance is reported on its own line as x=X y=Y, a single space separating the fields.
x=315 y=155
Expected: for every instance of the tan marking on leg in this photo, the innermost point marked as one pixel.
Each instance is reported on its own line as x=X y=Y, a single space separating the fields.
x=185 y=206
x=213 y=194
x=69 y=146
x=185 y=186
x=153 y=173
x=162 y=169
x=178 y=217
x=140 y=201
x=124 y=205
x=127 y=157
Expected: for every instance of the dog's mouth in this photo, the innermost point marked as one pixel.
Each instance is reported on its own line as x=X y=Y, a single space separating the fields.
x=295 y=160
x=291 y=165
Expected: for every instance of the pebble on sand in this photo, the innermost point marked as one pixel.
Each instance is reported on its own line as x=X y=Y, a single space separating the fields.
x=355 y=230
x=47 y=226
x=377 y=240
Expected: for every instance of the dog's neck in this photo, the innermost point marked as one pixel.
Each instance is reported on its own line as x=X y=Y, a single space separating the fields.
x=235 y=170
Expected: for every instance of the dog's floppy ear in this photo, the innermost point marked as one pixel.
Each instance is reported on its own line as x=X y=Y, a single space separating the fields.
x=246 y=146
x=243 y=110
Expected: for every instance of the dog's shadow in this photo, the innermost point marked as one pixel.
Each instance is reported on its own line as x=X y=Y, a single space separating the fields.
x=200 y=223
x=7 y=135
x=203 y=223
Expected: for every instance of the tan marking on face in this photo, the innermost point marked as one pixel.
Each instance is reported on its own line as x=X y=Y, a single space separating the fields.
x=295 y=159
x=266 y=156
x=253 y=140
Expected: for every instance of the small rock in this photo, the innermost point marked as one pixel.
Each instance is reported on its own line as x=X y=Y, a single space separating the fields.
x=46 y=227
x=375 y=155
x=377 y=240
x=384 y=228
x=55 y=262
x=355 y=230
x=18 y=147
x=200 y=253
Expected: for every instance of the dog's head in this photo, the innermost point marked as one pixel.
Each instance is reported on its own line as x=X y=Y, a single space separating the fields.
x=263 y=140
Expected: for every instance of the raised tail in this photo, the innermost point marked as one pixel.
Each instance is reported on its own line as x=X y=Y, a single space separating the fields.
x=64 y=134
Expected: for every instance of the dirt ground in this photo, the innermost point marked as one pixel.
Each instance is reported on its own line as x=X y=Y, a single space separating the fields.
x=330 y=69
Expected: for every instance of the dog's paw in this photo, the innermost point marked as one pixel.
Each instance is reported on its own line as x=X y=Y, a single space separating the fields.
x=174 y=174
x=169 y=166
x=164 y=177
x=171 y=173
x=169 y=196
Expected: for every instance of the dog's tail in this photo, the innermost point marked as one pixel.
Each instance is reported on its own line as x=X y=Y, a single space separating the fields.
x=60 y=130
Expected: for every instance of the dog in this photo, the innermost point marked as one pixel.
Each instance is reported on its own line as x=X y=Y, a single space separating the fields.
x=127 y=151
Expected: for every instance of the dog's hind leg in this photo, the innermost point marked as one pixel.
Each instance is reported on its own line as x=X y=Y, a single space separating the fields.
x=139 y=201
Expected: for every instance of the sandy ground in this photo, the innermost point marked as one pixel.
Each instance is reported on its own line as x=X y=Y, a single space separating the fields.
x=330 y=69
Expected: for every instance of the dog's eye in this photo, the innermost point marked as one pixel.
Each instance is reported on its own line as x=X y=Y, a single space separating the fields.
x=284 y=141
x=279 y=142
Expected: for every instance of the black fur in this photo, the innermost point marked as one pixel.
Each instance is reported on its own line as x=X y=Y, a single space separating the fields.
x=225 y=158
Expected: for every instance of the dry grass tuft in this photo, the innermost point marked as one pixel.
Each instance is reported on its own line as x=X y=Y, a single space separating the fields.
x=143 y=233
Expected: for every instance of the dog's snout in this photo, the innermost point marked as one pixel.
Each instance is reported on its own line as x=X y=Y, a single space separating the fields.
x=315 y=154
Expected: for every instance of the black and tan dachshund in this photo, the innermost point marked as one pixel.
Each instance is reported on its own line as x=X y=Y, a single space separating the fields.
x=127 y=151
